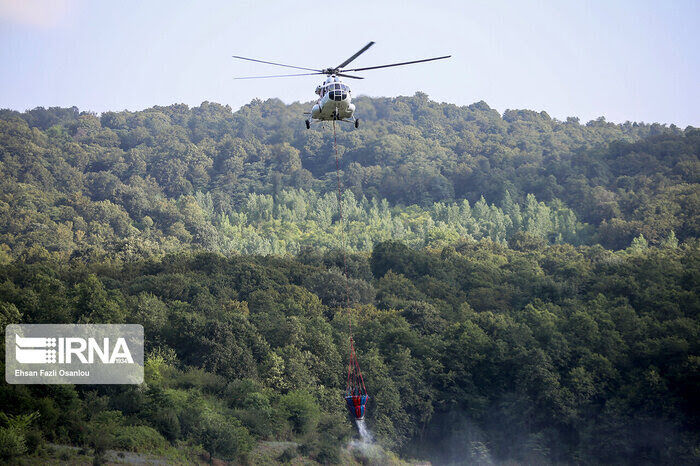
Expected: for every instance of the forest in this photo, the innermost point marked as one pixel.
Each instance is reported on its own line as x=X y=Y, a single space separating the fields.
x=523 y=290
x=256 y=182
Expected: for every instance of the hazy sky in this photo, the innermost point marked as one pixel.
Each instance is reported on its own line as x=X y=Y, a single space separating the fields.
x=625 y=60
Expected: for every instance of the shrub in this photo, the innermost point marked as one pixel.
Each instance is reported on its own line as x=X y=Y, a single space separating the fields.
x=288 y=455
x=12 y=443
x=239 y=391
x=139 y=438
x=226 y=438
x=34 y=439
x=13 y=434
x=259 y=422
x=168 y=424
x=301 y=410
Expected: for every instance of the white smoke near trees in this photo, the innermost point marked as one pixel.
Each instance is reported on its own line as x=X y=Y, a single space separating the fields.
x=365 y=448
x=365 y=433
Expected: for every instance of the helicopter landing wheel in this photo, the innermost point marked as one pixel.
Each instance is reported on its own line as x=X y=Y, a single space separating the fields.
x=308 y=125
x=357 y=122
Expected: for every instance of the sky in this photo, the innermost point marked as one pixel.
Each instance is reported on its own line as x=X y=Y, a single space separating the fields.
x=624 y=60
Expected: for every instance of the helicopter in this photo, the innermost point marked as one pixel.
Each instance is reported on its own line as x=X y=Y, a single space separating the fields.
x=334 y=97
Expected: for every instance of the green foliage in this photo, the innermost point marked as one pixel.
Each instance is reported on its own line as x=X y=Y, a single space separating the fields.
x=130 y=184
x=225 y=438
x=9 y=314
x=12 y=443
x=103 y=429
x=301 y=410
x=16 y=438
x=533 y=354
x=493 y=318
x=639 y=244
x=139 y=438
x=167 y=423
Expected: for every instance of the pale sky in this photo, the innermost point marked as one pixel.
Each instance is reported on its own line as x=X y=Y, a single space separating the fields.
x=625 y=60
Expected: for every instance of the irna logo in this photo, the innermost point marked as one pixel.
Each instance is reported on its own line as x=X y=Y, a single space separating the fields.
x=33 y=350
x=74 y=353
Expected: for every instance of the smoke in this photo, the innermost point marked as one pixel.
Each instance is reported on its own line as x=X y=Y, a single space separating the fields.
x=365 y=448
x=365 y=433
x=453 y=438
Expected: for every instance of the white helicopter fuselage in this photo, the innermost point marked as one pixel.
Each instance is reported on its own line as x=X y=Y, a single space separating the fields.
x=335 y=101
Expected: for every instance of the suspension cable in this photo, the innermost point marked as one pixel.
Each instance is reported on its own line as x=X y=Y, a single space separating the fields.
x=353 y=365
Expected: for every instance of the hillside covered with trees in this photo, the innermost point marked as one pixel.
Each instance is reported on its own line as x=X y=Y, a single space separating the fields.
x=475 y=353
x=523 y=289
x=255 y=181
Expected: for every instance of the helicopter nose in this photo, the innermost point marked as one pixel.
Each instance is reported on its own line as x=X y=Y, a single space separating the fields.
x=340 y=92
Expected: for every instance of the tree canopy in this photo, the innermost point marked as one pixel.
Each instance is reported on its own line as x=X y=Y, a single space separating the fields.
x=255 y=181
x=522 y=289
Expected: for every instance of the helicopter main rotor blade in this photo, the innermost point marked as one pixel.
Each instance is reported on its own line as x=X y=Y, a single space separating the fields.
x=273 y=63
x=349 y=76
x=397 y=64
x=360 y=52
x=278 y=76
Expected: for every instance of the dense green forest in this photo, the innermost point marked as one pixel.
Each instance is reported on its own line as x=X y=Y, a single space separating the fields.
x=254 y=181
x=523 y=289
x=474 y=353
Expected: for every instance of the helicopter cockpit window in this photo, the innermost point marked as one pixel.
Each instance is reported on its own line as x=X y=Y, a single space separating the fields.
x=338 y=92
